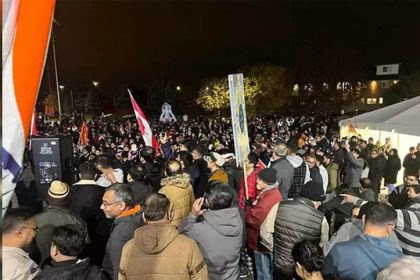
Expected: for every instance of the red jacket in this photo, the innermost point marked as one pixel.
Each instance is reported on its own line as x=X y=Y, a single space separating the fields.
x=256 y=214
x=252 y=188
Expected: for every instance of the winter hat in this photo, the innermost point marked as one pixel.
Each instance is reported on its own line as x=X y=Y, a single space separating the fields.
x=268 y=176
x=313 y=191
x=58 y=190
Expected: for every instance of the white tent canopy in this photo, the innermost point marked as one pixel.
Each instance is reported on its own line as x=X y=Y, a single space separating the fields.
x=403 y=117
x=400 y=122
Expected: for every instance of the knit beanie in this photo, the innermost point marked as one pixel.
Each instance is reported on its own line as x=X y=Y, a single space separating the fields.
x=268 y=176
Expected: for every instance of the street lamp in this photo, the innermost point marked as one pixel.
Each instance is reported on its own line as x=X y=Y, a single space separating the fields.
x=178 y=88
x=95 y=83
x=61 y=87
x=207 y=88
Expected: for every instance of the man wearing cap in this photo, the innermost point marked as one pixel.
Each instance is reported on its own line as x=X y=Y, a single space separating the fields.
x=215 y=163
x=297 y=220
x=57 y=214
x=260 y=217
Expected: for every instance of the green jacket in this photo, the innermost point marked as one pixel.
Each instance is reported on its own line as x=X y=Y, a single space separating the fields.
x=332 y=170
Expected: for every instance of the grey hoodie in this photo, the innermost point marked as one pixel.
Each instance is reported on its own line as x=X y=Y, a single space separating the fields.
x=296 y=161
x=219 y=237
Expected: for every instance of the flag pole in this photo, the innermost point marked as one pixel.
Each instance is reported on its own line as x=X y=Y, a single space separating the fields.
x=245 y=181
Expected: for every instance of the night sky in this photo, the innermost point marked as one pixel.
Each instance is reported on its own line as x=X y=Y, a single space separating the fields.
x=133 y=42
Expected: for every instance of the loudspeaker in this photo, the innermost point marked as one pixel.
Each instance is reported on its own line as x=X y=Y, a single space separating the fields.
x=52 y=160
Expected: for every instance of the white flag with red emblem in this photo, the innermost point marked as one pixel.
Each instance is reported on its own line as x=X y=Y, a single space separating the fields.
x=144 y=126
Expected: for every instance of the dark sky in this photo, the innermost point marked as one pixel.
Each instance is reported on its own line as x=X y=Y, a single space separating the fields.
x=135 y=42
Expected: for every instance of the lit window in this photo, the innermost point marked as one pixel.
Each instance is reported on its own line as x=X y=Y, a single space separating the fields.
x=381 y=100
x=362 y=100
x=371 y=101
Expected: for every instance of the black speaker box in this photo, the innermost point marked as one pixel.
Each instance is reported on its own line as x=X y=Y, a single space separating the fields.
x=52 y=160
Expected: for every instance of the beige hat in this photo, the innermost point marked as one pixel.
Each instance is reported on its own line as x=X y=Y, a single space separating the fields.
x=58 y=189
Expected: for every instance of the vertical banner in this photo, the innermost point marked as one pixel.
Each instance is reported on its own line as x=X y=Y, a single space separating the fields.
x=239 y=123
x=26 y=31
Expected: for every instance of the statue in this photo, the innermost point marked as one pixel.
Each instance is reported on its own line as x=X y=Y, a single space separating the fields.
x=167 y=115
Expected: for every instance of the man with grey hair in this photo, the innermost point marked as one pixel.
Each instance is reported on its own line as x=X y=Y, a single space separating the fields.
x=117 y=204
x=285 y=170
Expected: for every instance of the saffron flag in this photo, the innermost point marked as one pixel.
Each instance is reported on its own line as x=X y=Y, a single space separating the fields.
x=352 y=129
x=144 y=126
x=83 y=139
x=239 y=123
x=26 y=31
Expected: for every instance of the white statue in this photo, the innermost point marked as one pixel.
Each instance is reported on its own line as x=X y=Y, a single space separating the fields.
x=167 y=115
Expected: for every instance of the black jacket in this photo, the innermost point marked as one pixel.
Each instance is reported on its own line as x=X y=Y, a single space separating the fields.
x=71 y=270
x=140 y=191
x=154 y=174
x=203 y=178
x=392 y=166
x=86 y=200
x=296 y=220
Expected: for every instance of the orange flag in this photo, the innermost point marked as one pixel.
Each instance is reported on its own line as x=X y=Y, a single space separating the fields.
x=83 y=140
x=352 y=129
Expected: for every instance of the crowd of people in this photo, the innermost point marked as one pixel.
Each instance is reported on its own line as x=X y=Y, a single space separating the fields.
x=305 y=205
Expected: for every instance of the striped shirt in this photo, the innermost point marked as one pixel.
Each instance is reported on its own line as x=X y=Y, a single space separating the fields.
x=407 y=230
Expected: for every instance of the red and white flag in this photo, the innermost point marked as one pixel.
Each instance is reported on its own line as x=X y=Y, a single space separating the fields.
x=144 y=126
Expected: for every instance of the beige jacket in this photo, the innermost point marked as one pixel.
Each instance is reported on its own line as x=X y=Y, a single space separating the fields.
x=180 y=193
x=158 y=251
x=267 y=228
x=17 y=265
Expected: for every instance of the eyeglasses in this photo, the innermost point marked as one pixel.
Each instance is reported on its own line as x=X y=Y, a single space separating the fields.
x=34 y=229
x=106 y=204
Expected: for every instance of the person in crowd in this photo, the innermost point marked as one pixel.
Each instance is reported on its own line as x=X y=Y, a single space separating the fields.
x=323 y=171
x=399 y=197
x=85 y=195
x=353 y=228
x=392 y=166
x=333 y=175
x=406 y=227
x=364 y=150
x=85 y=201
x=313 y=168
x=56 y=214
x=260 y=217
x=376 y=165
x=370 y=252
x=411 y=162
x=287 y=232
x=215 y=164
x=117 y=204
x=158 y=251
x=336 y=212
x=301 y=173
x=177 y=187
x=109 y=174
x=309 y=260
x=285 y=170
x=19 y=229
x=370 y=145
x=203 y=177
x=252 y=169
x=187 y=163
x=218 y=229
x=413 y=194
x=154 y=174
x=138 y=184
x=354 y=166
x=66 y=246
x=407 y=268
x=365 y=190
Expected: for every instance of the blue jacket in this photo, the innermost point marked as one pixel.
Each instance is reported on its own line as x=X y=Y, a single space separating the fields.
x=360 y=258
